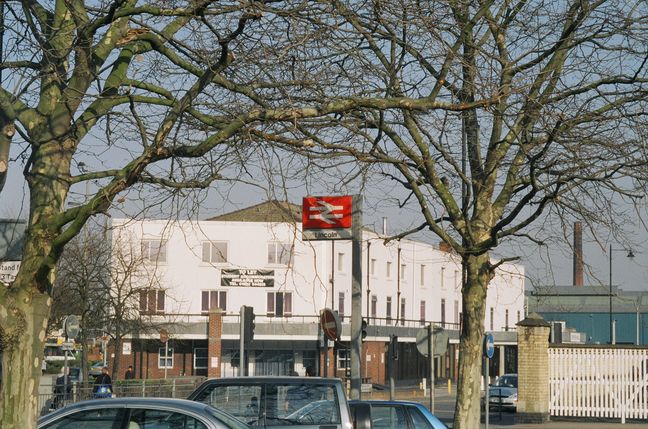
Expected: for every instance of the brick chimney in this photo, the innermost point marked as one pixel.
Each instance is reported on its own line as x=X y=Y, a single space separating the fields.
x=578 y=254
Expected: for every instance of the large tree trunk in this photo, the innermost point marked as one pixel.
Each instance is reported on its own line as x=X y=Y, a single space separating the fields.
x=23 y=315
x=467 y=407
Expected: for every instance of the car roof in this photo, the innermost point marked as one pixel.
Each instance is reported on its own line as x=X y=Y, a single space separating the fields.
x=163 y=403
x=274 y=379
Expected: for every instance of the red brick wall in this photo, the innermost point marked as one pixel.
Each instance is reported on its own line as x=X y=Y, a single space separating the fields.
x=214 y=342
x=374 y=369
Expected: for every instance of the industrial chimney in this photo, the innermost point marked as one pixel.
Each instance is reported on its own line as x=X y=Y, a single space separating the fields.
x=578 y=254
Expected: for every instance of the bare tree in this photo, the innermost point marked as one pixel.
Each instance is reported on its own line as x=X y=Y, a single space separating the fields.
x=558 y=93
x=120 y=94
x=81 y=288
x=109 y=285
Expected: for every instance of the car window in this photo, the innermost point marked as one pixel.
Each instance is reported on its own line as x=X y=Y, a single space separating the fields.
x=159 y=419
x=276 y=404
x=104 y=418
x=388 y=417
x=507 y=381
x=418 y=419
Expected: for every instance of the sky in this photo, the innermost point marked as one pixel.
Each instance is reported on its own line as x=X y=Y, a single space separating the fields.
x=544 y=265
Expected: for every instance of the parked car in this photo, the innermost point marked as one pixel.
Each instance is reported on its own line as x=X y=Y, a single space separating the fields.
x=400 y=415
x=272 y=402
x=504 y=392
x=95 y=369
x=139 y=413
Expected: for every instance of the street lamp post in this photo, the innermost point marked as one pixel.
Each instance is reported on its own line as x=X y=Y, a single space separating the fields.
x=630 y=255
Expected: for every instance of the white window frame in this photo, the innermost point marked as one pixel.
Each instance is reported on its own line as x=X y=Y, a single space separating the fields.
x=372 y=267
x=422 y=275
x=388 y=270
x=279 y=253
x=403 y=270
x=195 y=366
x=212 y=255
x=167 y=357
x=219 y=304
x=284 y=313
x=153 y=250
x=340 y=262
x=155 y=308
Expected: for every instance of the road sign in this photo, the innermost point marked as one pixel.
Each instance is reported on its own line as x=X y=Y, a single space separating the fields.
x=489 y=345
x=67 y=346
x=327 y=218
x=71 y=326
x=441 y=338
x=330 y=323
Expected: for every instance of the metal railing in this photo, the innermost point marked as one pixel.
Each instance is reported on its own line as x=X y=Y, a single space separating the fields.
x=179 y=387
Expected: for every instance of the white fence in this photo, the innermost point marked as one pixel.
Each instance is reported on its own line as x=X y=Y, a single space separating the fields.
x=598 y=382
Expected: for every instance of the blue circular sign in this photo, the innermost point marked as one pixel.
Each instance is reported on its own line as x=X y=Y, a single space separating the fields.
x=489 y=345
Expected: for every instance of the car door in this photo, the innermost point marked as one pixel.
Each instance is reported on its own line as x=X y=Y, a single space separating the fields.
x=388 y=417
x=145 y=418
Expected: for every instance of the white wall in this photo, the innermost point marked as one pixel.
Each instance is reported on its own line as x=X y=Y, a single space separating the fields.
x=307 y=277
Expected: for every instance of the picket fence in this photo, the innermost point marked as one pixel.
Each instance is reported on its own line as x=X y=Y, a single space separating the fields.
x=598 y=382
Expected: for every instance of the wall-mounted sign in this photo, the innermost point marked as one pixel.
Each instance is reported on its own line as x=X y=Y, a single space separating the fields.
x=327 y=218
x=247 y=278
x=8 y=271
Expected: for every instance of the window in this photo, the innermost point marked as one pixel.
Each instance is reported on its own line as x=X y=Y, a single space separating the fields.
x=506 y=321
x=374 y=305
x=388 y=310
x=420 y=421
x=344 y=358
x=214 y=252
x=403 y=269
x=402 y=311
x=388 y=270
x=165 y=357
x=518 y=316
x=388 y=417
x=456 y=311
x=151 y=301
x=422 y=276
x=154 y=250
x=100 y=418
x=442 y=277
x=372 y=267
x=341 y=305
x=422 y=312
x=200 y=359
x=212 y=299
x=150 y=418
x=279 y=304
x=443 y=314
x=492 y=319
x=340 y=262
x=279 y=253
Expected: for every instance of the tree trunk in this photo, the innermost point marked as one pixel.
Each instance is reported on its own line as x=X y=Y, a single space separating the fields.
x=23 y=315
x=467 y=408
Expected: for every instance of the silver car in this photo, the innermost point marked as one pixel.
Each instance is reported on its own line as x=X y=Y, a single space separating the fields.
x=504 y=392
x=139 y=413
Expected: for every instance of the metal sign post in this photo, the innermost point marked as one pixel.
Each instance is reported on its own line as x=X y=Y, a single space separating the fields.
x=242 y=362
x=356 y=299
x=431 y=362
x=489 y=351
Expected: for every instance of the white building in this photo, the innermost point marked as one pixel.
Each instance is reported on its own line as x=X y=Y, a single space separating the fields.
x=256 y=257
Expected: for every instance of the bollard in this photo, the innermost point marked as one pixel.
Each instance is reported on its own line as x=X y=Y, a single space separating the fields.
x=449 y=387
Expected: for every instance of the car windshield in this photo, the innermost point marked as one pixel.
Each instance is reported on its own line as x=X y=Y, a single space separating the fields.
x=226 y=419
x=507 y=381
x=276 y=404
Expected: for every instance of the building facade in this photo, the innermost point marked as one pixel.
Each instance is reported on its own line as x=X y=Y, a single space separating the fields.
x=255 y=257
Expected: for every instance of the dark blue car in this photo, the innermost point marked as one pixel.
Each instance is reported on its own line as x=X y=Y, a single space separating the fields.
x=401 y=415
